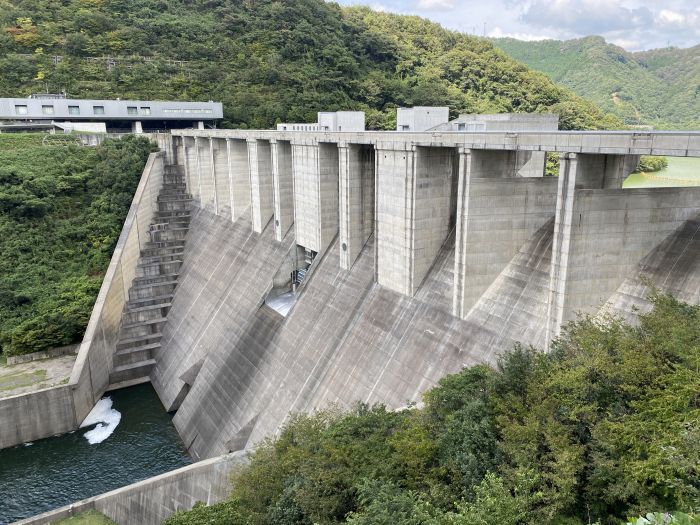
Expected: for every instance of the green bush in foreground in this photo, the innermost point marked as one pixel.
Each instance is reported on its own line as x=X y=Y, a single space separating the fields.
x=61 y=212
x=604 y=426
x=649 y=164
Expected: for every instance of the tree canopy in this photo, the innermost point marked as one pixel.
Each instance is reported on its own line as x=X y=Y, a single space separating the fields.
x=602 y=427
x=267 y=60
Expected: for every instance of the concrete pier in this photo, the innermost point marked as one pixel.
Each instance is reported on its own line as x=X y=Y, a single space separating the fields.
x=357 y=195
x=283 y=186
x=498 y=211
x=316 y=176
x=261 y=185
x=239 y=177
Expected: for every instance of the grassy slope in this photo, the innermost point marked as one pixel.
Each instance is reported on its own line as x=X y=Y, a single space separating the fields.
x=660 y=87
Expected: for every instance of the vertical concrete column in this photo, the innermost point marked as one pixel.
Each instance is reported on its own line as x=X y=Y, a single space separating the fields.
x=192 y=167
x=414 y=211
x=601 y=231
x=239 y=177
x=206 y=174
x=498 y=210
x=464 y=170
x=221 y=177
x=618 y=168
x=356 y=192
x=315 y=167
x=261 y=194
x=283 y=186
x=395 y=165
x=179 y=151
x=328 y=185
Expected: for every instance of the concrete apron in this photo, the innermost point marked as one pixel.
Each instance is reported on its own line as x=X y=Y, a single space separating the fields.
x=151 y=501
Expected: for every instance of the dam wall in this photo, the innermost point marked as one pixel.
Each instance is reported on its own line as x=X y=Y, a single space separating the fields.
x=57 y=410
x=423 y=253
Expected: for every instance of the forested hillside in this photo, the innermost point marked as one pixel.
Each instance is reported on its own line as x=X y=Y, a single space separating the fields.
x=659 y=87
x=603 y=427
x=61 y=211
x=266 y=60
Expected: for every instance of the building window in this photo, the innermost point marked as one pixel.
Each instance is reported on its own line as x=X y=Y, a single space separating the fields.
x=145 y=111
x=172 y=110
x=21 y=110
x=461 y=127
x=405 y=128
x=47 y=110
x=74 y=110
x=98 y=110
x=132 y=110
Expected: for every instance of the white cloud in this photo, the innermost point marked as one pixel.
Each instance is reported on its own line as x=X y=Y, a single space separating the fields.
x=435 y=4
x=632 y=24
x=667 y=17
x=497 y=32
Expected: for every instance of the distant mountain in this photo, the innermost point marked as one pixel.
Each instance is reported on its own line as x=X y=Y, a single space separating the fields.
x=267 y=60
x=659 y=87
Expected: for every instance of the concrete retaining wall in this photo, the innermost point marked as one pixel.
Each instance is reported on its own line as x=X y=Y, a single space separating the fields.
x=151 y=501
x=52 y=411
x=46 y=354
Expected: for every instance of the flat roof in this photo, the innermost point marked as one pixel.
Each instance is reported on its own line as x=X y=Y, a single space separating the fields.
x=101 y=109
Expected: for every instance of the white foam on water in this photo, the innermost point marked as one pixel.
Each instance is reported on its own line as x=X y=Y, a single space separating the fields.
x=28 y=444
x=105 y=418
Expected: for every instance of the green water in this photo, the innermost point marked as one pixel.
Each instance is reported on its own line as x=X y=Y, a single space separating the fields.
x=681 y=171
x=57 y=471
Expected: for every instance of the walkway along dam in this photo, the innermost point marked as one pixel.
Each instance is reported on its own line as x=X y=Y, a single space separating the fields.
x=298 y=269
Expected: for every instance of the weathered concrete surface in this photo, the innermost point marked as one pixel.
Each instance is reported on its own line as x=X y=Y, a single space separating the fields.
x=29 y=376
x=261 y=184
x=316 y=179
x=283 y=184
x=56 y=410
x=226 y=272
x=357 y=194
x=44 y=354
x=205 y=169
x=497 y=213
x=672 y=267
x=672 y=143
x=600 y=235
x=220 y=161
x=151 y=501
x=345 y=339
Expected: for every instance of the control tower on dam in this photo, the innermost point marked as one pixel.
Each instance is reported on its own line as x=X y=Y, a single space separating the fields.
x=337 y=267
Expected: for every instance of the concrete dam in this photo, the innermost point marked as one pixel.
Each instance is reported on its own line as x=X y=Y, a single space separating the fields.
x=299 y=269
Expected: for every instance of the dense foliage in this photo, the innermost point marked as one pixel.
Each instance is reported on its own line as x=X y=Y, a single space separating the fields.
x=267 y=60
x=61 y=211
x=605 y=425
x=659 y=87
x=649 y=164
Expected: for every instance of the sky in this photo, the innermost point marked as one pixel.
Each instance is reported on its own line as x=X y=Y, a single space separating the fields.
x=632 y=24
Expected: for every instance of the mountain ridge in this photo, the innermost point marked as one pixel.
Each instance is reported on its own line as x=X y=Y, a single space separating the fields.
x=659 y=87
x=269 y=61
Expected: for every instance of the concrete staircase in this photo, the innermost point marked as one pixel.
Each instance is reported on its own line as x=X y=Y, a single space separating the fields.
x=154 y=285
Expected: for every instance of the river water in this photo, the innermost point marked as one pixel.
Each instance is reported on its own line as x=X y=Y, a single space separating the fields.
x=681 y=171
x=57 y=471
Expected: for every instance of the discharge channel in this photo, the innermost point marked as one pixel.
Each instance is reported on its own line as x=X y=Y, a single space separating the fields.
x=129 y=438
